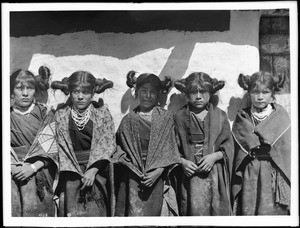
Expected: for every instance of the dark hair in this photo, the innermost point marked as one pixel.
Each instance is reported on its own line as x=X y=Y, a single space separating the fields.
x=136 y=82
x=83 y=79
x=253 y=82
x=199 y=80
x=40 y=81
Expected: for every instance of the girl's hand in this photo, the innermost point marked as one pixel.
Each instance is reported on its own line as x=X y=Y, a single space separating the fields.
x=26 y=171
x=14 y=169
x=89 y=177
x=150 y=178
x=189 y=167
x=23 y=172
x=207 y=162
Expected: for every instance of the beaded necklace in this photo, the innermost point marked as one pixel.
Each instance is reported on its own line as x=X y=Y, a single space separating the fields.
x=261 y=114
x=81 y=119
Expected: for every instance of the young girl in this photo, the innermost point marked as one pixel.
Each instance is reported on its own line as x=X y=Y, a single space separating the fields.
x=261 y=172
x=33 y=166
x=206 y=148
x=146 y=153
x=86 y=140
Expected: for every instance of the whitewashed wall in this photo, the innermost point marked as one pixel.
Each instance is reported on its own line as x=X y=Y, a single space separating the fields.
x=223 y=55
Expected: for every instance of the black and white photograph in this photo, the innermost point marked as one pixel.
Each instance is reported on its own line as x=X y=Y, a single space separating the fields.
x=150 y=114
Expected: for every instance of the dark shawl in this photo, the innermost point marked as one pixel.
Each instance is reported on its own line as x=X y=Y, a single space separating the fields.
x=273 y=131
x=217 y=129
x=162 y=153
x=29 y=144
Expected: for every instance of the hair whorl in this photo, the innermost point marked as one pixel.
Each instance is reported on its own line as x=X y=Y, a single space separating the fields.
x=102 y=85
x=42 y=79
x=61 y=85
x=131 y=79
x=166 y=85
x=180 y=85
x=243 y=81
x=217 y=85
x=44 y=72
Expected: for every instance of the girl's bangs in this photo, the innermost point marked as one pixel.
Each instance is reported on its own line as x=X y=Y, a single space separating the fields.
x=260 y=85
x=83 y=86
x=196 y=87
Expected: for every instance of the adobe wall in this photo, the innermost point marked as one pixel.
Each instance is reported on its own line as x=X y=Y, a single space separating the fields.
x=223 y=55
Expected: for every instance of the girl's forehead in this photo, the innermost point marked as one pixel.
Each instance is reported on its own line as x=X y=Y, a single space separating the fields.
x=197 y=87
x=24 y=83
x=82 y=88
x=148 y=85
x=261 y=86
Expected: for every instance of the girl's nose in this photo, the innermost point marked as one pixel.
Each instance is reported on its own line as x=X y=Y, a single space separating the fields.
x=260 y=96
x=80 y=96
x=25 y=92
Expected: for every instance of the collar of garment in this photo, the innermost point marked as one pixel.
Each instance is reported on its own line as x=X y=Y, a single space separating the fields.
x=146 y=115
x=26 y=112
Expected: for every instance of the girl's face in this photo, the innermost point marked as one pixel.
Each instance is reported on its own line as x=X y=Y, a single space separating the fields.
x=81 y=98
x=261 y=97
x=23 y=95
x=199 y=99
x=148 y=97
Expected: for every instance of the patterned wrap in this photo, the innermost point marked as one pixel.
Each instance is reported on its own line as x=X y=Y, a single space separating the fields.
x=103 y=141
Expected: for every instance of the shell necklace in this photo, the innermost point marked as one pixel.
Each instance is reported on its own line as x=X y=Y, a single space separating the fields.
x=81 y=119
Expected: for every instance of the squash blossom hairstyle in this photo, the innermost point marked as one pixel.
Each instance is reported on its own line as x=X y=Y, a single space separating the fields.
x=84 y=80
x=136 y=82
x=199 y=81
x=256 y=80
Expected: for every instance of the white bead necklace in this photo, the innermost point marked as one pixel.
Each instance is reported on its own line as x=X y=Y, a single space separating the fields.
x=81 y=119
x=261 y=114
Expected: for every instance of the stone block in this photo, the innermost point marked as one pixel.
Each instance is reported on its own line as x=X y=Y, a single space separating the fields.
x=280 y=25
x=274 y=44
x=266 y=63
x=265 y=25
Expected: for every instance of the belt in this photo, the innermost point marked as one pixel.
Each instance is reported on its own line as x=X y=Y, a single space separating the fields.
x=261 y=152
